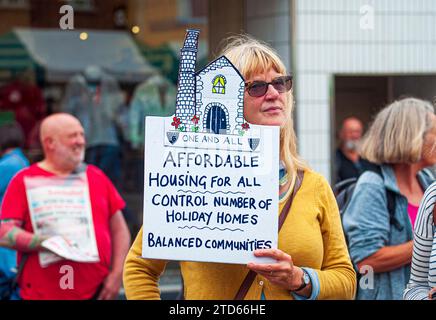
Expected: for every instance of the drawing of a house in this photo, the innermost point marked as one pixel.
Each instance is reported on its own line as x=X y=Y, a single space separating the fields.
x=215 y=94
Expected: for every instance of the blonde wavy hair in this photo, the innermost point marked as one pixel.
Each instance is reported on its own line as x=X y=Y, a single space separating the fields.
x=251 y=57
x=397 y=132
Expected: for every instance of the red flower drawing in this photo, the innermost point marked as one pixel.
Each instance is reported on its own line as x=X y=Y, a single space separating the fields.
x=195 y=119
x=245 y=126
x=176 y=122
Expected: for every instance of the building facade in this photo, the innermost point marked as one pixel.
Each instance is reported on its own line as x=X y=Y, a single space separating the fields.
x=321 y=40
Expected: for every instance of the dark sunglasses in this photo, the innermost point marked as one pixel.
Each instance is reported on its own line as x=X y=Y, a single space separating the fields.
x=259 y=88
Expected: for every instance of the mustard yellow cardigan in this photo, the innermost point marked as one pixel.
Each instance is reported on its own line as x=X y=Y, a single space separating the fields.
x=312 y=234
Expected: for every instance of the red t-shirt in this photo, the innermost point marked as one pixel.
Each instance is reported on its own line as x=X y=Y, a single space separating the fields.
x=45 y=283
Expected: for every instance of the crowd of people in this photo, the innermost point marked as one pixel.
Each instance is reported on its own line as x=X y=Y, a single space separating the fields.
x=379 y=248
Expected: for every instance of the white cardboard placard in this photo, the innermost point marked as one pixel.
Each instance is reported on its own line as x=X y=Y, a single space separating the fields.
x=211 y=179
x=209 y=204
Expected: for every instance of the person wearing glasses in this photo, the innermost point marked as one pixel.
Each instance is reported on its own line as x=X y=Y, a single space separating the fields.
x=311 y=261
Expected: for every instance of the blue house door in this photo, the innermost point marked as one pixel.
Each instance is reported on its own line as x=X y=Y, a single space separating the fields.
x=216 y=120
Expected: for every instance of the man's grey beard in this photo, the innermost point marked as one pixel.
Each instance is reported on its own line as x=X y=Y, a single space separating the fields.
x=82 y=156
x=351 y=145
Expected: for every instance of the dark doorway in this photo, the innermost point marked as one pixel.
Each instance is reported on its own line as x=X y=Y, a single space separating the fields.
x=362 y=96
x=216 y=120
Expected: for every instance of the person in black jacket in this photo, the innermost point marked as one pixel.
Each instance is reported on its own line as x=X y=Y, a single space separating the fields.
x=348 y=163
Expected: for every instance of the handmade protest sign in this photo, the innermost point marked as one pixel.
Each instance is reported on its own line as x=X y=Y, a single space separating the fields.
x=211 y=178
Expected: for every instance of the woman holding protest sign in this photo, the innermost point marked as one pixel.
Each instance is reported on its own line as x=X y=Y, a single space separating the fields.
x=311 y=261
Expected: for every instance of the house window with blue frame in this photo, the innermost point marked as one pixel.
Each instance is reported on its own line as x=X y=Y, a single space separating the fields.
x=219 y=84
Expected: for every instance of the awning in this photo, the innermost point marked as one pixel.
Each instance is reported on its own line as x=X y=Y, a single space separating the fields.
x=14 y=57
x=61 y=54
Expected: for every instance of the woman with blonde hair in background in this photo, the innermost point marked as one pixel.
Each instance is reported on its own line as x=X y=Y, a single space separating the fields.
x=311 y=260
x=381 y=214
